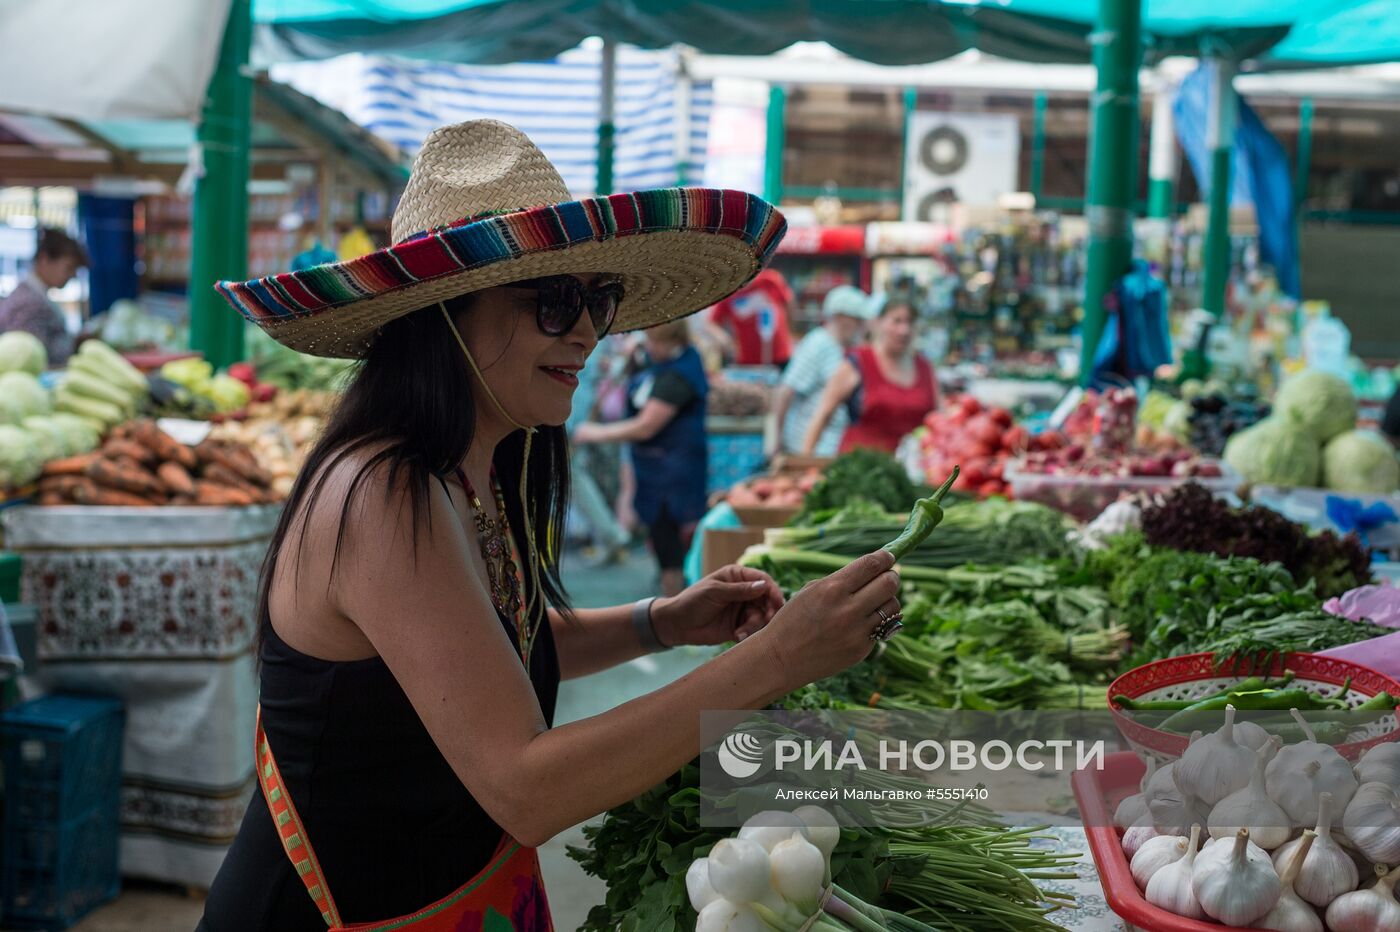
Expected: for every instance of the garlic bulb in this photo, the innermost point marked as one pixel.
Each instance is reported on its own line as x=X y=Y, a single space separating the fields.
x=1372 y=822
x=1215 y=766
x=1171 y=888
x=1134 y=807
x=1235 y=883
x=1381 y=764
x=1301 y=771
x=1251 y=808
x=1371 y=910
x=772 y=826
x=724 y=916
x=1137 y=836
x=1155 y=855
x=1251 y=734
x=1160 y=782
x=1291 y=913
x=739 y=870
x=1328 y=871
x=1174 y=815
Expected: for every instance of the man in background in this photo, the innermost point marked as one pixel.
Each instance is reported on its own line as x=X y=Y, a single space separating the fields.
x=845 y=312
x=28 y=307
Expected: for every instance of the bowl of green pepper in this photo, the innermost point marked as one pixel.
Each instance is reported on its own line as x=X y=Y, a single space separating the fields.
x=1298 y=696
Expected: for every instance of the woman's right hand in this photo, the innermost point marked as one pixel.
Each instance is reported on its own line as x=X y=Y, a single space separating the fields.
x=826 y=627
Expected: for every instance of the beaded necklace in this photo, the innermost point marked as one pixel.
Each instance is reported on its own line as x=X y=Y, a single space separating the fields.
x=502 y=559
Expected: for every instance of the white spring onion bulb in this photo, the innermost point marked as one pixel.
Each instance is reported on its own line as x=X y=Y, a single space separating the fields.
x=822 y=829
x=1235 y=882
x=1250 y=807
x=1381 y=764
x=1372 y=822
x=724 y=916
x=1301 y=771
x=798 y=869
x=1156 y=854
x=1292 y=913
x=772 y=826
x=1170 y=888
x=1328 y=871
x=739 y=869
x=697 y=884
x=1371 y=910
x=1215 y=766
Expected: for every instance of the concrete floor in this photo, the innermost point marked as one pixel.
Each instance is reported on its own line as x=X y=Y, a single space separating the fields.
x=146 y=907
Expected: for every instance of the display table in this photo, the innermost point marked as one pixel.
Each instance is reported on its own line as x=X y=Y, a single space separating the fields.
x=156 y=606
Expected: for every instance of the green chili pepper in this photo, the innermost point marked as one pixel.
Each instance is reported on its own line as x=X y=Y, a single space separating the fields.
x=1153 y=705
x=1380 y=702
x=923 y=518
x=1251 y=701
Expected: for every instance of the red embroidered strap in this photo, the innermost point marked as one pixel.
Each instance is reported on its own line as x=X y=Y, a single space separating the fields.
x=289 y=828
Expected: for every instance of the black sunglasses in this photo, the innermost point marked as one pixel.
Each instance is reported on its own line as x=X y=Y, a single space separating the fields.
x=561 y=299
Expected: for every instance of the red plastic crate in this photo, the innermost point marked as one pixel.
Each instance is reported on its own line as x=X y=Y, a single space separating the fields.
x=1097 y=792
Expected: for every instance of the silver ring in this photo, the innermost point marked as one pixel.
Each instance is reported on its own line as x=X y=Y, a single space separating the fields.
x=889 y=625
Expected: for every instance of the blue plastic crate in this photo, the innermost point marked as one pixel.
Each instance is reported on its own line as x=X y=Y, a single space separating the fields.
x=62 y=756
x=75 y=871
x=63 y=762
x=732 y=458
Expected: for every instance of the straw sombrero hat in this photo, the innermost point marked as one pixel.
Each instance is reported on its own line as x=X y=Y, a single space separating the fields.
x=484 y=207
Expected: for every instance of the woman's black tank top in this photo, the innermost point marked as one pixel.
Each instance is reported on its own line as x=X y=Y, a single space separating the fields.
x=392 y=826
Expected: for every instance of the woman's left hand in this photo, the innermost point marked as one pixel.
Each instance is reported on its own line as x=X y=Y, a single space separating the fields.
x=728 y=605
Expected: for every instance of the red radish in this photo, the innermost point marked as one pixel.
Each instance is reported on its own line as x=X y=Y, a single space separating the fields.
x=1001 y=417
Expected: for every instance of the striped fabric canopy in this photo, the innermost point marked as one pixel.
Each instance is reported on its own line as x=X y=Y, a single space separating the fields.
x=554 y=102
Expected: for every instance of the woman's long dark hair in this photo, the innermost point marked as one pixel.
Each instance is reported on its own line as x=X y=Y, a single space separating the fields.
x=412 y=399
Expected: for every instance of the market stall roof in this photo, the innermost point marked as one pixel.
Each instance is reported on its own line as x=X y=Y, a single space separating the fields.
x=288 y=127
x=1297 y=33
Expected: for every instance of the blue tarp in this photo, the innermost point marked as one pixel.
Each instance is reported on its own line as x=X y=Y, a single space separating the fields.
x=1261 y=174
x=1307 y=32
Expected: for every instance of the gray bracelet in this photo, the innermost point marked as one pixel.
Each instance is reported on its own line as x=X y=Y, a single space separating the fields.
x=642 y=624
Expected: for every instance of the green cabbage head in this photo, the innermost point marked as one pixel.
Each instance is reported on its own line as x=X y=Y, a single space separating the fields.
x=21 y=351
x=1319 y=402
x=22 y=396
x=1360 y=461
x=1275 y=451
x=19 y=457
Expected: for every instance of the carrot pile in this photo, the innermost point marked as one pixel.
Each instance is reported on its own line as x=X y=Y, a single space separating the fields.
x=140 y=465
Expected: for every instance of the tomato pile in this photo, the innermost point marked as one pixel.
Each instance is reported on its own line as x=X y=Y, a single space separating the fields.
x=981 y=441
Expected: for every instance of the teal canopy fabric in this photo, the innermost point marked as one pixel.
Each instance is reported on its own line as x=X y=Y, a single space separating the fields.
x=1274 y=33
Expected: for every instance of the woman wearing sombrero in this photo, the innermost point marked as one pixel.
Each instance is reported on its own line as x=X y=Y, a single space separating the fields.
x=413 y=628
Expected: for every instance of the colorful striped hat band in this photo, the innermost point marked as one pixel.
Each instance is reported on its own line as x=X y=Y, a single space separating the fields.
x=483 y=207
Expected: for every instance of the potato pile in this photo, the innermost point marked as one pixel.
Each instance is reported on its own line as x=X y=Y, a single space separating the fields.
x=780 y=491
x=280 y=432
x=139 y=465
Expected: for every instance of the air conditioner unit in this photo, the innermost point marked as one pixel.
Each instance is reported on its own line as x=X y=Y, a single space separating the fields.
x=958 y=158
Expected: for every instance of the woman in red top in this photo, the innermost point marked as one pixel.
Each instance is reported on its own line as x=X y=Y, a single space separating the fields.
x=889 y=386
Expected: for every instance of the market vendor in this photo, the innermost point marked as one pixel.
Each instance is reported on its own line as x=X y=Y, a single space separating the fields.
x=665 y=427
x=845 y=311
x=751 y=326
x=887 y=386
x=414 y=628
x=56 y=260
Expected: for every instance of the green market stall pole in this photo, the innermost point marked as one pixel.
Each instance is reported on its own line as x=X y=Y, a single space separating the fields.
x=219 y=229
x=1221 y=117
x=607 y=110
x=1117 y=41
x=773 y=145
x=1163 y=163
